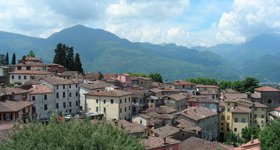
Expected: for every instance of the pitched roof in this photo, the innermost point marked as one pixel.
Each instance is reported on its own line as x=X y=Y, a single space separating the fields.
x=202 y=100
x=166 y=130
x=241 y=110
x=182 y=82
x=155 y=90
x=277 y=108
x=177 y=97
x=194 y=143
x=39 y=89
x=57 y=80
x=267 y=89
x=236 y=95
x=153 y=142
x=197 y=113
x=11 y=91
x=259 y=105
x=13 y=106
x=160 y=110
x=131 y=127
x=110 y=93
x=187 y=125
x=96 y=85
x=31 y=72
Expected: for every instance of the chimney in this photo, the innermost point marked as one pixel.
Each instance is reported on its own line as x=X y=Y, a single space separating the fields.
x=252 y=138
x=164 y=141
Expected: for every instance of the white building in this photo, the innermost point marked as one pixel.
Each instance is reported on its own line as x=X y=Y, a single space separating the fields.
x=22 y=76
x=65 y=94
x=113 y=104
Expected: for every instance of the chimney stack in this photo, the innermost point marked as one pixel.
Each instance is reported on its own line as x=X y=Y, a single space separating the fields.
x=164 y=141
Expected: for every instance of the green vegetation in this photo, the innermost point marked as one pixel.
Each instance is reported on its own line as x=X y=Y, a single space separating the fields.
x=75 y=134
x=246 y=85
x=156 y=77
x=137 y=74
x=14 y=59
x=250 y=131
x=7 y=62
x=233 y=139
x=64 y=56
x=270 y=136
x=31 y=54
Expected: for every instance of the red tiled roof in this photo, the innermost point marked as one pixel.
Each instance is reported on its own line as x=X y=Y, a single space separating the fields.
x=277 y=109
x=177 y=97
x=194 y=143
x=259 y=105
x=10 y=91
x=153 y=142
x=182 y=82
x=13 y=106
x=57 y=80
x=111 y=93
x=241 y=110
x=39 y=89
x=206 y=86
x=197 y=113
x=267 y=89
x=32 y=72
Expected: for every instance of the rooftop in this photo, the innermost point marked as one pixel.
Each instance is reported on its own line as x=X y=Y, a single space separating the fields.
x=57 y=80
x=153 y=142
x=96 y=85
x=166 y=130
x=267 y=89
x=187 y=125
x=197 y=113
x=11 y=91
x=131 y=127
x=182 y=82
x=13 y=106
x=31 y=72
x=194 y=143
x=241 y=110
x=177 y=97
x=39 y=89
x=161 y=110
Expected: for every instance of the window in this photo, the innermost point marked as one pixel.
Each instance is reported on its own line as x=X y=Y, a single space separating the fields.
x=33 y=98
x=28 y=68
x=112 y=101
x=57 y=95
x=222 y=128
x=125 y=100
x=70 y=110
x=120 y=110
x=120 y=100
x=63 y=95
x=243 y=120
x=129 y=99
x=63 y=86
x=222 y=124
x=228 y=129
x=69 y=86
x=104 y=109
x=255 y=116
x=19 y=68
x=104 y=101
x=70 y=104
x=57 y=105
x=77 y=103
x=262 y=116
x=269 y=101
x=13 y=77
x=222 y=117
x=76 y=85
x=152 y=101
x=141 y=121
x=24 y=77
x=128 y=107
x=19 y=77
x=64 y=104
x=96 y=109
x=235 y=129
x=57 y=87
x=235 y=119
x=45 y=97
x=70 y=94
x=124 y=109
x=96 y=100
x=77 y=94
x=45 y=107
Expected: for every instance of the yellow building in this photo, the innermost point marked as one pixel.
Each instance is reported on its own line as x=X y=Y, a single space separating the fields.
x=237 y=114
x=113 y=104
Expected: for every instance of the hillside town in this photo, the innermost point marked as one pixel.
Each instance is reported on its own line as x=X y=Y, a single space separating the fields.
x=175 y=115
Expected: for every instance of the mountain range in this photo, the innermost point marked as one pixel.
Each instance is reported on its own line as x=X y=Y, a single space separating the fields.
x=103 y=51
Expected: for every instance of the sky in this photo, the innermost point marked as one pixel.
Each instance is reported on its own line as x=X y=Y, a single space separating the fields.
x=183 y=22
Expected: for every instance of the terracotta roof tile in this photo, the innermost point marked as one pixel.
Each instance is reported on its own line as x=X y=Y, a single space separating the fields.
x=131 y=127
x=39 y=89
x=96 y=85
x=197 y=113
x=178 y=97
x=31 y=72
x=166 y=130
x=13 y=106
x=241 y=110
x=187 y=125
x=153 y=142
x=277 y=109
x=194 y=143
x=161 y=110
x=267 y=89
x=10 y=91
x=182 y=82
x=57 y=80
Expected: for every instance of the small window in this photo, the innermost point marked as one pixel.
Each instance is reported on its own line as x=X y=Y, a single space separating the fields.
x=57 y=87
x=57 y=105
x=33 y=98
x=69 y=86
x=243 y=120
x=112 y=101
x=77 y=103
x=57 y=95
x=63 y=95
x=96 y=109
x=63 y=86
x=96 y=100
x=262 y=116
x=70 y=104
x=128 y=107
x=235 y=119
x=129 y=99
x=76 y=85
x=45 y=107
x=77 y=94
x=45 y=97
x=13 y=77
x=120 y=100
x=64 y=104
x=125 y=100
x=104 y=101
x=228 y=117
x=24 y=77
x=19 y=77
x=140 y=121
x=235 y=129
x=222 y=128
x=104 y=109
x=124 y=109
x=70 y=94
x=120 y=110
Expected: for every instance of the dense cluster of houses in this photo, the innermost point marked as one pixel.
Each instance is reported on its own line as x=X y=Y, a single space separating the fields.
x=174 y=115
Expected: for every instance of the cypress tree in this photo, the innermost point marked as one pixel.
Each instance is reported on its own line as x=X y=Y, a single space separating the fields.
x=14 y=59
x=78 y=65
x=60 y=54
x=7 y=59
x=70 y=59
x=30 y=54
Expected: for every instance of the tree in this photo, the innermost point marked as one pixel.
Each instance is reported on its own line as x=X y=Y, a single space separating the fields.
x=60 y=53
x=250 y=84
x=224 y=84
x=156 y=77
x=205 y=81
x=238 y=86
x=30 y=54
x=250 y=131
x=69 y=58
x=75 y=134
x=233 y=139
x=269 y=136
x=137 y=74
x=14 y=59
x=78 y=65
x=100 y=76
x=23 y=57
x=7 y=59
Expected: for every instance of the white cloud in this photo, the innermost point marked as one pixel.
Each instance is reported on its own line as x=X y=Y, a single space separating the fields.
x=249 y=18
